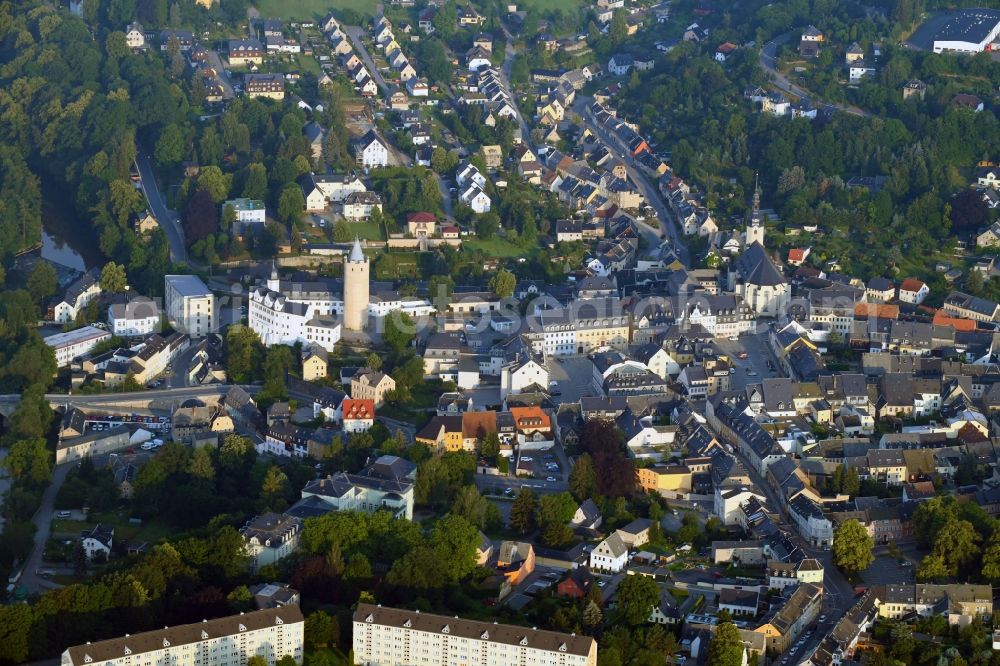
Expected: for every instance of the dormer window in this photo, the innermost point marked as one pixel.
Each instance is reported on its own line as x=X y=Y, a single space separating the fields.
x=485 y=636
x=128 y=651
x=166 y=643
x=370 y=618
x=524 y=640
x=446 y=630
x=407 y=624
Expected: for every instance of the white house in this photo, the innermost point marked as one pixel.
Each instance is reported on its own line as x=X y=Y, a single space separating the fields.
x=78 y=295
x=609 y=555
x=135 y=37
x=320 y=190
x=620 y=64
x=475 y=198
x=138 y=317
x=469 y=172
x=97 y=542
x=270 y=537
x=358 y=415
x=371 y=151
x=360 y=205
x=729 y=500
x=248 y=211
x=913 y=291
x=859 y=69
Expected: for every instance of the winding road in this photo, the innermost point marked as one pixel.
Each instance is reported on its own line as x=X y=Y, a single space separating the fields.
x=769 y=62
x=168 y=219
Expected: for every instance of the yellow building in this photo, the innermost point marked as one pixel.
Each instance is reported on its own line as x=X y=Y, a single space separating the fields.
x=442 y=433
x=314 y=363
x=669 y=481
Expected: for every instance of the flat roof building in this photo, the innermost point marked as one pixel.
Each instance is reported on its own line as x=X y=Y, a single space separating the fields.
x=226 y=641
x=190 y=305
x=394 y=635
x=78 y=342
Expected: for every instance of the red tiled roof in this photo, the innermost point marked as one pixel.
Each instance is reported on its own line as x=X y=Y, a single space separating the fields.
x=358 y=409
x=420 y=217
x=911 y=284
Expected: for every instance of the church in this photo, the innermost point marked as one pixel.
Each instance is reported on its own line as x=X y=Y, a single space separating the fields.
x=753 y=276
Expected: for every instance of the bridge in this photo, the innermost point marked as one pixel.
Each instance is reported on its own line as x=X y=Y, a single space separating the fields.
x=153 y=399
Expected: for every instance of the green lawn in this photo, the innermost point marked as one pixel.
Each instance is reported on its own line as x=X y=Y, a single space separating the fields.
x=367 y=230
x=151 y=531
x=496 y=247
x=316 y=9
x=548 y=5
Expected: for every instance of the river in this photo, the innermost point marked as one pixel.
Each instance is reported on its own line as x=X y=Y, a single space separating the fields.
x=66 y=239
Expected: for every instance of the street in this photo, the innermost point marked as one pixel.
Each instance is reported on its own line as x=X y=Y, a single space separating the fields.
x=509 y=54
x=223 y=74
x=356 y=35
x=769 y=62
x=42 y=520
x=167 y=218
x=668 y=225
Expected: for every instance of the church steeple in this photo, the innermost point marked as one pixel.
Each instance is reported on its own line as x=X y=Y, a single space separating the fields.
x=755 y=225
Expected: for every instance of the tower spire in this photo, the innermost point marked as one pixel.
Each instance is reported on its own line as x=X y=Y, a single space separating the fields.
x=755 y=210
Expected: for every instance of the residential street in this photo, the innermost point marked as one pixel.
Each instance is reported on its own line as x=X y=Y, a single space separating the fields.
x=509 y=54
x=356 y=34
x=650 y=193
x=168 y=219
x=769 y=61
x=43 y=525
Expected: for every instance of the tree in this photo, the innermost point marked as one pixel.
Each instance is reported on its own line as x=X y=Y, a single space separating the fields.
x=502 y=283
x=522 y=512
x=476 y=509
x=618 y=31
x=212 y=180
x=991 y=558
x=614 y=470
x=274 y=489
x=201 y=217
x=290 y=203
x=374 y=361
x=243 y=353
x=583 y=479
x=255 y=181
x=969 y=211
x=321 y=630
x=113 y=278
x=637 y=595
x=958 y=545
x=489 y=446
x=487 y=225
x=28 y=462
x=398 y=330
x=277 y=364
x=726 y=645
x=852 y=547
x=341 y=232
x=42 y=281
x=592 y=615
x=932 y=567
x=169 y=149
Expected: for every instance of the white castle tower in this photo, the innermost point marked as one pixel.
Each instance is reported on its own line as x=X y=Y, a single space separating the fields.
x=356 y=295
x=755 y=226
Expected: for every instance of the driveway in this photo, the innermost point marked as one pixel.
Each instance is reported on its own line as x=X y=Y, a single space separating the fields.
x=168 y=219
x=43 y=526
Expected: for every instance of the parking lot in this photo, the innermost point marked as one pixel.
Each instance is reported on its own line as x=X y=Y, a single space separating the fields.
x=540 y=465
x=753 y=368
x=573 y=377
x=885 y=570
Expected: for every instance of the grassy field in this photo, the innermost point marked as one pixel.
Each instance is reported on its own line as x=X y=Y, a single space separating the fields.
x=495 y=247
x=367 y=230
x=547 y=5
x=150 y=531
x=299 y=9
